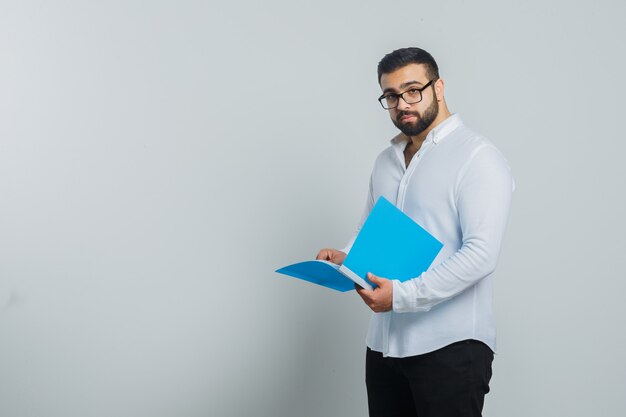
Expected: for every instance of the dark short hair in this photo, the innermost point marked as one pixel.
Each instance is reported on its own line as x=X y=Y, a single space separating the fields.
x=405 y=56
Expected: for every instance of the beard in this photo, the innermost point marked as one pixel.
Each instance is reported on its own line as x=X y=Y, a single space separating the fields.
x=422 y=122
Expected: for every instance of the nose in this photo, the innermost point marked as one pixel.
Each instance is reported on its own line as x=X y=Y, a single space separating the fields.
x=402 y=105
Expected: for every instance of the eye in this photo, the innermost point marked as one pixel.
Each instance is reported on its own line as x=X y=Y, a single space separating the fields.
x=413 y=91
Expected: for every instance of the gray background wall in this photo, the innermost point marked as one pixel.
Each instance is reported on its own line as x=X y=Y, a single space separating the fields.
x=158 y=160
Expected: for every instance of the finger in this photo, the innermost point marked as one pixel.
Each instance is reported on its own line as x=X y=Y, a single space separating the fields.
x=374 y=279
x=365 y=299
x=366 y=295
x=362 y=291
x=322 y=255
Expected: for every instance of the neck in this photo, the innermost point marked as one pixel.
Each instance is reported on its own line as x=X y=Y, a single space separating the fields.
x=416 y=141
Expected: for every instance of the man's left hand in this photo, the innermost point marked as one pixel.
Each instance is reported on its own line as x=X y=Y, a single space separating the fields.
x=380 y=299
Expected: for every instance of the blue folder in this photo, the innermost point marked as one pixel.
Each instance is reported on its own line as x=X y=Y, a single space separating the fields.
x=390 y=245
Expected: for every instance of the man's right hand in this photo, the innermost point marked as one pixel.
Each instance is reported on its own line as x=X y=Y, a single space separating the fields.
x=332 y=255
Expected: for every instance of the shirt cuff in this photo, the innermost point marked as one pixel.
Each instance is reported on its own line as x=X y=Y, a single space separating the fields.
x=403 y=302
x=408 y=296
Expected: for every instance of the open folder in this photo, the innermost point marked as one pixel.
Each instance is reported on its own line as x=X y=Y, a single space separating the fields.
x=390 y=245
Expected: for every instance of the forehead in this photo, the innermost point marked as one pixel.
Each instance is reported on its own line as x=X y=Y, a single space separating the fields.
x=403 y=75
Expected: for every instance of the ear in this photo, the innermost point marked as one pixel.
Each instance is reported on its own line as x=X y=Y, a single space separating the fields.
x=439 y=89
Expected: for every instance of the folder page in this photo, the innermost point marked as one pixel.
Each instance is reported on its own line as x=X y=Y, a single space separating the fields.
x=391 y=245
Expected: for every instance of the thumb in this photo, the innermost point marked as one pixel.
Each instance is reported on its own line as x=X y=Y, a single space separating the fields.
x=376 y=280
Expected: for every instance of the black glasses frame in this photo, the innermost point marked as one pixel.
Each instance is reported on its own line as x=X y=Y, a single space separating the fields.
x=382 y=98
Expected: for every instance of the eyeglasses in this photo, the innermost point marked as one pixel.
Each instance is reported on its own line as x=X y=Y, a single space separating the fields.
x=410 y=96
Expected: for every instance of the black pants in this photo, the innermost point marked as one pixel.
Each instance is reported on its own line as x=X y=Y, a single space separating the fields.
x=451 y=381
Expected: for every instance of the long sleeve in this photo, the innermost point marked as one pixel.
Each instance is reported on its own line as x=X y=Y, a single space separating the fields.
x=482 y=197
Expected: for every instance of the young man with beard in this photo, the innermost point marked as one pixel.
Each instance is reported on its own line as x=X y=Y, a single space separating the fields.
x=431 y=339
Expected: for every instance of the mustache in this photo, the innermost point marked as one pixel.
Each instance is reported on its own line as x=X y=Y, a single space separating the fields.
x=408 y=113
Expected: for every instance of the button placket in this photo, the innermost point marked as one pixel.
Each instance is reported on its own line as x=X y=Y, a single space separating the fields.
x=408 y=173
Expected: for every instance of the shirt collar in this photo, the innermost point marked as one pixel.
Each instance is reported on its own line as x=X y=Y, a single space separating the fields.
x=442 y=130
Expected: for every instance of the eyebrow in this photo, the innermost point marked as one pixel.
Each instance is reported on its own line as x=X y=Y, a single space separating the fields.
x=402 y=86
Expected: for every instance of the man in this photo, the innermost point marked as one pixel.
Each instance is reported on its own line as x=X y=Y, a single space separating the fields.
x=431 y=339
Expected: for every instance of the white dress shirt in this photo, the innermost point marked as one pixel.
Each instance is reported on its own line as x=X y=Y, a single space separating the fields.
x=458 y=187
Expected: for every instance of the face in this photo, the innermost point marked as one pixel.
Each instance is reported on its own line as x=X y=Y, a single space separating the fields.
x=411 y=119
